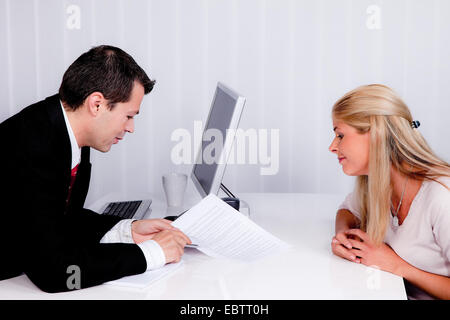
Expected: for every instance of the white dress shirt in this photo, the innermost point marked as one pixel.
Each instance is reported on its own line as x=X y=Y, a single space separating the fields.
x=121 y=232
x=76 y=150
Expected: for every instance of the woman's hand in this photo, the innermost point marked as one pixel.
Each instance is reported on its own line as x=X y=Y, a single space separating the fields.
x=366 y=252
x=342 y=247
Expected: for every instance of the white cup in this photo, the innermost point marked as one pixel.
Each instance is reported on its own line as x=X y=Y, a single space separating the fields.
x=174 y=185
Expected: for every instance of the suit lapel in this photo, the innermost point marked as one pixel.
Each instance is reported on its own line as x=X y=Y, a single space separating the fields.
x=81 y=185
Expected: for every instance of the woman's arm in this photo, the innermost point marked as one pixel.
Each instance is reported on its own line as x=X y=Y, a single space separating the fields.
x=345 y=220
x=383 y=257
x=435 y=285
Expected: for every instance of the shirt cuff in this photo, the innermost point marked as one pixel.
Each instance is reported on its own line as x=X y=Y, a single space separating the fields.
x=154 y=254
x=120 y=233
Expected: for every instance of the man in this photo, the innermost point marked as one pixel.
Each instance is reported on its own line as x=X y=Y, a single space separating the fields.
x=47 y=234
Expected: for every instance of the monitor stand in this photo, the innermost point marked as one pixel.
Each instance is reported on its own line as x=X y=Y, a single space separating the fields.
x=231 y=199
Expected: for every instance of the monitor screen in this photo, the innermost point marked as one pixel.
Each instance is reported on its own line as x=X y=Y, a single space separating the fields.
x=224 y=114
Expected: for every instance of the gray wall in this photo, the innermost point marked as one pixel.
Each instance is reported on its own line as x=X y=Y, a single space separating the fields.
x=292 y=59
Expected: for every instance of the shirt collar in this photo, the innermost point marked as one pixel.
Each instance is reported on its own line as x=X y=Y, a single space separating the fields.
x=76 y=150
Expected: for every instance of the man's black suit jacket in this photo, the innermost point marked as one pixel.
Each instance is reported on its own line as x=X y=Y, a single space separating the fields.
x=42 y=235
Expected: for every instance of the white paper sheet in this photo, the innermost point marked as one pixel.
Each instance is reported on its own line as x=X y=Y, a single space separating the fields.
x=221 y=231
x=147 y=278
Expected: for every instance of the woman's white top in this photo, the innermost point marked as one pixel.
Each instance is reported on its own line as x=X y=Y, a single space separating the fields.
x=423 y=239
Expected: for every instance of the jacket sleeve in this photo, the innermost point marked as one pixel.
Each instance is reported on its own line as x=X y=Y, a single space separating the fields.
x=92 y=225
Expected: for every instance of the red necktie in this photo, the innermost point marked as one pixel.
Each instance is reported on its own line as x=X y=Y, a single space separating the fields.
x=73 y=175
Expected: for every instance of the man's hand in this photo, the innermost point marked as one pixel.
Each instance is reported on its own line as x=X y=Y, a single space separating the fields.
x=171 y=240
x=143 y=230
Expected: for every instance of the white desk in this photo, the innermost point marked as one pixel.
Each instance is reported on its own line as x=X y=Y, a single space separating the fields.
x=309 y=271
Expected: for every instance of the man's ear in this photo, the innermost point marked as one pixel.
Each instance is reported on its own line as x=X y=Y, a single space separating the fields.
x=94 y=102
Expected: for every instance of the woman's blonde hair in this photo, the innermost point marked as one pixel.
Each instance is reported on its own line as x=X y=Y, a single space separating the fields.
x=393 y=142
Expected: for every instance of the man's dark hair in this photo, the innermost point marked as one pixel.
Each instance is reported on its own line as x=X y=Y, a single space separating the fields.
x=104 y=69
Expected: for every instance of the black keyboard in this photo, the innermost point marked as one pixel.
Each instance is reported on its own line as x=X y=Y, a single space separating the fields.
x=125 y=209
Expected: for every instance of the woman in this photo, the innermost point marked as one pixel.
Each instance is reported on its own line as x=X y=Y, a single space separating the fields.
x=398 y=217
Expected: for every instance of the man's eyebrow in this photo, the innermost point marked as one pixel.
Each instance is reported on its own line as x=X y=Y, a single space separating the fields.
x=334 y=129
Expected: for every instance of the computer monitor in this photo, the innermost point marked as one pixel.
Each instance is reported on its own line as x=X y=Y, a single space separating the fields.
x=223 y=119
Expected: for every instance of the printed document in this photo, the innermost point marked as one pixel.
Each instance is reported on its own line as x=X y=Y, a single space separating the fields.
x=147 y=278
x=219 y=230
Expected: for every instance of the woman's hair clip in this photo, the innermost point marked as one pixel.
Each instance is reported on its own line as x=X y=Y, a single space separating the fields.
x=415 y=124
